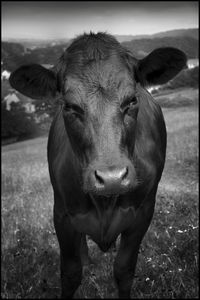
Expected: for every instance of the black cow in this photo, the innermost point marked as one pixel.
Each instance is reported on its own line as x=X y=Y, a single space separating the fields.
x=106 y=148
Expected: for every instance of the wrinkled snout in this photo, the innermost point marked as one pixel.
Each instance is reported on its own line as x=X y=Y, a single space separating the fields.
x=110 y=181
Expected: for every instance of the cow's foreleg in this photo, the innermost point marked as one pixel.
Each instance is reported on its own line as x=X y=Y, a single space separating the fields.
x=126 y=259
x=70 y=260
x=124 y=266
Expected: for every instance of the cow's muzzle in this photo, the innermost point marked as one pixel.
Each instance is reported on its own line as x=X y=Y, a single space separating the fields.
x=110 y=181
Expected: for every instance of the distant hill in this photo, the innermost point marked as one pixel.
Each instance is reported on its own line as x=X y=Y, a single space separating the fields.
x=15 y=55
x=32 y=43
x=192 y=32
x=10 y=49
x=127 y=38
x=48 y=51
x=142 y=47
x=38 y=43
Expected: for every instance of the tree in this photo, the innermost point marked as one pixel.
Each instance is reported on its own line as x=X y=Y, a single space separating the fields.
x=17 y=123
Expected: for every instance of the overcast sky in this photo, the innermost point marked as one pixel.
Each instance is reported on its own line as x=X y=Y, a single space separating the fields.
x=55 y=19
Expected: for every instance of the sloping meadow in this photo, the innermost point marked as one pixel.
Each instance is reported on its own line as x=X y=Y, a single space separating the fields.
x=167 y=264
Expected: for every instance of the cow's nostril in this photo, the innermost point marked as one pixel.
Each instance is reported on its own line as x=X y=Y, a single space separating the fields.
x=124 y=173
x=98 y=177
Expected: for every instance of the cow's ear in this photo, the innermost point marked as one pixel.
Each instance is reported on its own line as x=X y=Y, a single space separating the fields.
x=34 y=81
x=161 y=65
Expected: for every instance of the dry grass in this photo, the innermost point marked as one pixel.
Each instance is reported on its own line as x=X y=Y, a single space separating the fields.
x=168 y=261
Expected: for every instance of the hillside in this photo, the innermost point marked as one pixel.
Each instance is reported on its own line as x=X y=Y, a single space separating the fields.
x=15 y=54
x=38 y=43
x=10 y=49
x=192 y=32
x=142 y=47
x=167 y=266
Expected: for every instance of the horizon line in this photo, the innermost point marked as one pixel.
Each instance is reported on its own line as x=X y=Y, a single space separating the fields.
x=114 y=34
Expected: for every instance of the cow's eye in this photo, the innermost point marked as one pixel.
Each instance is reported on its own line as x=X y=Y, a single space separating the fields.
x=73 y=110
x=128 y=105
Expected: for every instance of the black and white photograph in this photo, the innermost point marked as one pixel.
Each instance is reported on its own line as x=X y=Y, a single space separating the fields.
x=100 y=149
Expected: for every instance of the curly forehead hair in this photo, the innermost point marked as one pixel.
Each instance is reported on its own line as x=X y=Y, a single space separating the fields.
x=88 y=48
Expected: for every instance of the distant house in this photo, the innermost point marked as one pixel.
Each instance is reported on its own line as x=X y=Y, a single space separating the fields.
x=10 y=98
x=29 y=107
x=5 y=75
x=192 y=63
x=47 y=66
x=14 y=97
x=27 y=103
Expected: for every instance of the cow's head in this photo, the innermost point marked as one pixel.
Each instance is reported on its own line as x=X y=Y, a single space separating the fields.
x=97 y=80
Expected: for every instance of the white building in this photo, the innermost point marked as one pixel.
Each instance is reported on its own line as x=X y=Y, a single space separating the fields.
x=29 y=107
x=10 y=98
x=192 y=63
x=47 y=66
x=5 y=75
x=13 y=98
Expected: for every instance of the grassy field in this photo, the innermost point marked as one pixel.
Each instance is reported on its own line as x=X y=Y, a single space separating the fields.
x=168 y=261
